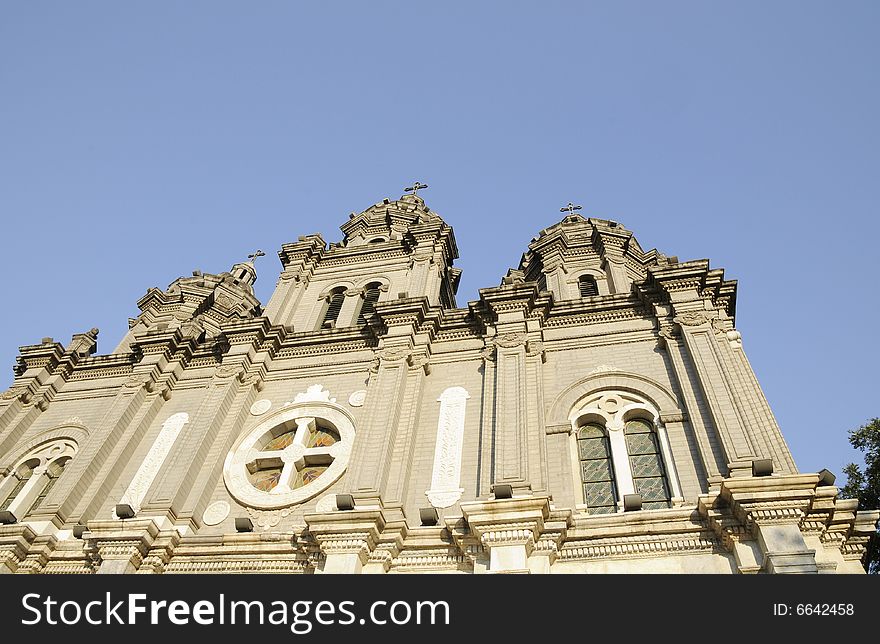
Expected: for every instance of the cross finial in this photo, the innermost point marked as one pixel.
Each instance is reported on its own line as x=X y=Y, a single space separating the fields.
x=415 y=187
x=253 y=256
x=570 y=208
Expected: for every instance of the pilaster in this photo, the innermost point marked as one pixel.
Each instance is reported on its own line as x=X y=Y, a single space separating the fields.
x=346 y=538
x=119 y=547
x=772 y=510
x=508 y=529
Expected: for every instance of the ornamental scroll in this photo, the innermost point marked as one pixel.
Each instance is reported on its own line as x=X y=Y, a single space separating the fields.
x=446 y=479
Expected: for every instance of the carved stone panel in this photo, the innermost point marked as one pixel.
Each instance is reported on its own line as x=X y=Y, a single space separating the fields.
x=148 y=470
x=446 y=478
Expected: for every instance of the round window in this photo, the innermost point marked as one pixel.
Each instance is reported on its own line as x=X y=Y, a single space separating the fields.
x=291 y=456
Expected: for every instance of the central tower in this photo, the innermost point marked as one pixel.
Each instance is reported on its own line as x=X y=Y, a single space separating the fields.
x=392 y=250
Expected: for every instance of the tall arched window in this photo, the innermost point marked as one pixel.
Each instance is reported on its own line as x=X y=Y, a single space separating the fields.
x=334 y=305
x=587 y=286
x=371 y=296
x=620 y=447
x=53 y=472
x=33 y=477
x=597 y=471
x=21 y=476
x=649 y=475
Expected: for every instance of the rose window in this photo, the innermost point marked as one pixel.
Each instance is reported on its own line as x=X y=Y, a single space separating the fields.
x=291 y=456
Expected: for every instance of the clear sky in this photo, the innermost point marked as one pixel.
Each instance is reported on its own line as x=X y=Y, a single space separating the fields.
x=142 y=140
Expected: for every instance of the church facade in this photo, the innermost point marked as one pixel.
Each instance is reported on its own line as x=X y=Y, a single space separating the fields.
x=593 y=413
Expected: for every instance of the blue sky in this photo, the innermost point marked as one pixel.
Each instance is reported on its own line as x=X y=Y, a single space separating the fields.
x=140 y=141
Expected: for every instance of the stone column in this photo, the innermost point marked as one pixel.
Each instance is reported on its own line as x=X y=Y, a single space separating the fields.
x=511 y=449
x=299 y=260
x=508 y=529
x=514 y=344
x=119 y=547
x=712 y=463
x=382 y=450
x=699 y=338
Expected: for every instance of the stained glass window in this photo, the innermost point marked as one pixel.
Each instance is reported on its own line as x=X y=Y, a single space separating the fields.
x=267 y=478
x=597 y=472
x=649 y=475
x=266 y=471
x=322 y=437
x=281 y=441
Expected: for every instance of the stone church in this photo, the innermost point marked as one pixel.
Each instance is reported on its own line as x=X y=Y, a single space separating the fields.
x=593 y=413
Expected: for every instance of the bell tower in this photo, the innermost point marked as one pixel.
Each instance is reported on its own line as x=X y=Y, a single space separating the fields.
x=392 y=250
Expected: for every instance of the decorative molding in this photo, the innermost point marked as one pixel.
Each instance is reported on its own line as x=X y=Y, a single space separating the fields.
x=148 y=470
x=395 y=354
x=297 y=564
x=260 y=407
x=734 y=337
x=228 y=371
x=636 y=546
x=315 y=393
x=135 y=381
x=264 y=519
x=693 y=318
x=216 y=513
x=446 y=477
x=536 y=348
x=510 y=340
x=357 y=398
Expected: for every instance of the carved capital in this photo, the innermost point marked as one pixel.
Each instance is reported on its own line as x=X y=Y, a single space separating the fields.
x=395 y=354
x=160 y=553
x=359 y=543
x=536 y=348
x=127 y=541
x=510 y=534
x=510 y=340
x=693 y=318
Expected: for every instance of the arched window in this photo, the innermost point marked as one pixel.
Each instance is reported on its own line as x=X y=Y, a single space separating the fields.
x=587 y=286
x=21 y=476
x=649 y=476
x=597 y=471
x=53 y=472
x=621 y=448
x=33 y=477
x=334 y=305
x=377 y=240
x=371 y=296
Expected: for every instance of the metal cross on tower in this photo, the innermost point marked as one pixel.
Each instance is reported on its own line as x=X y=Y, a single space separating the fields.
x=253 y=256
x=414 y=188
x=570 y=208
